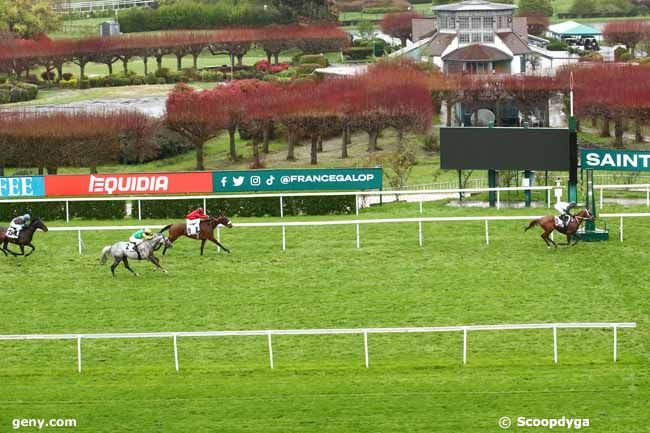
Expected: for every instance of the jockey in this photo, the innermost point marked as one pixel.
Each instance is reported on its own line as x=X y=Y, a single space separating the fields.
x=564 y=209
x=193 y=221
x=138 y=237
x=17 y=224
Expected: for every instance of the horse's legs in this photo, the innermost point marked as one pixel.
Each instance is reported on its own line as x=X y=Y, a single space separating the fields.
x=202 y=245
x=116 y=262
x=217 y=243
x=547 y=239
x=156 y=262
x=171 y=238
x=33 y=248
x=126 y=265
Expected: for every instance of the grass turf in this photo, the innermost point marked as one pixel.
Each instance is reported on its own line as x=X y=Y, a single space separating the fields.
x=415 y=383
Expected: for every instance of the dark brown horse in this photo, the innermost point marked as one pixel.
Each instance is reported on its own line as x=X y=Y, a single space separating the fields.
x=547 y=224
x=206 y=231
x=23 y=240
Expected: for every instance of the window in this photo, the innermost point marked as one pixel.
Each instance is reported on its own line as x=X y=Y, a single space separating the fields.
x=463 y=38
x=451 y=23
x=476 y=38
x=476 y=23
x=488 y=23
x=463 y=23
x=488 y=38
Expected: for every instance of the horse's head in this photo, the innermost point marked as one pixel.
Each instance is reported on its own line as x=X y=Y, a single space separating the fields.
x=586 y=214
x=38 y=224
x=221 y=219
x=159 y=240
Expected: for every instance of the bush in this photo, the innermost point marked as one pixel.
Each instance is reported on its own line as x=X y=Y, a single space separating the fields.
x=5 y=96
x=557 y=45
x=151 y=78
x=137 y=81
x=382 y=10
x=357 y=53
x=307 y=68
x=211 y=76
x=56 y=210
x=170 y=143
x=161 y=80
x=626 y=57
x=591 y=57
x=318 y=59
x=618 y=52
x=48 y=75
x=18 y=95
x=68 y=84
x=176 y=77
x=162 y=73
x=31 y=89
x=67 y=76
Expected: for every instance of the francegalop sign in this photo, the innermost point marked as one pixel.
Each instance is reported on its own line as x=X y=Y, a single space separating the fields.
x=617 y=160
x=297 y=179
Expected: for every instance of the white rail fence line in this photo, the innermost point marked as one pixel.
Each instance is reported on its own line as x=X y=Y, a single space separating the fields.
x=282 y=196
x=642 y=187
x=90 y=5
x=357 y=222
x=364 y=331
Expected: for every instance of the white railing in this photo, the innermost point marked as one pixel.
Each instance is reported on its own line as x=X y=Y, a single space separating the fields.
x=90 y=5
x=359 y=331
x=282 y=196
x=641 y=187
x=356 y=222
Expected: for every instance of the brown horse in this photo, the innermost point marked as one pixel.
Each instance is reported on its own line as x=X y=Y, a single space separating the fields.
x=547 y=223
x=206 y=231
x=24 y=238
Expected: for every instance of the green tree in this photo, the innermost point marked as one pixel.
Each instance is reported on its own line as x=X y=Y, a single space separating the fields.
x=535 y=7
x=583 y=7
x=311 y=10
x=28 y=18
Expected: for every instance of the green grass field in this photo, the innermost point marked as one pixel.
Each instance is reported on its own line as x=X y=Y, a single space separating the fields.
x=414 y=383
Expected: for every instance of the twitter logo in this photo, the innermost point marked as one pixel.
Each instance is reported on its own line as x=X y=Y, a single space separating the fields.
x=238 y=181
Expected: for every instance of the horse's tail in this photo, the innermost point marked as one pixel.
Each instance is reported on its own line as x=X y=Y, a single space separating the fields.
x=105 y=253
x=165 y=228
x=532 y=224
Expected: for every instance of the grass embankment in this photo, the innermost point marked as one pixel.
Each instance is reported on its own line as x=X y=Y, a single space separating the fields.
x=415 y=382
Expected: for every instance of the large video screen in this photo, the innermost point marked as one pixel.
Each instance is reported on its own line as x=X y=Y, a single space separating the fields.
x=506 y=149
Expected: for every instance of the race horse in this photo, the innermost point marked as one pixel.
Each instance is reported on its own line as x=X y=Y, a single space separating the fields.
x=548 y=224
x=23 y=240
x=206 y=231
x=123 y=251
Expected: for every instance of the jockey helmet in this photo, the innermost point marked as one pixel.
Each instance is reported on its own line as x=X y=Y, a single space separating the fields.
x=27 y=217
x=200 y=209
x=148 y=232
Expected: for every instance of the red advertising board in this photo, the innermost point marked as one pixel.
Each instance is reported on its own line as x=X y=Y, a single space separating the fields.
x=127 y=184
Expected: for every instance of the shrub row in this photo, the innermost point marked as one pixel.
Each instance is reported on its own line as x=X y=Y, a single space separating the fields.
x=177 y=209
x=17 y=92
x=357 y=53
x=194 y=15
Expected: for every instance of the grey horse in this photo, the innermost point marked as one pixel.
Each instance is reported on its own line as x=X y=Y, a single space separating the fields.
x=123 y=251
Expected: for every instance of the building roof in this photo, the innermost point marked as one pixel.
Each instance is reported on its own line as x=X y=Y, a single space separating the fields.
x=520 y=26
x=514 y=43
x=572 y=28
x=476 y=53
x=474 y=5
x=438 y=44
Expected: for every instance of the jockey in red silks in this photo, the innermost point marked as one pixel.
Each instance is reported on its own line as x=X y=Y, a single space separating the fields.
x=193 y=221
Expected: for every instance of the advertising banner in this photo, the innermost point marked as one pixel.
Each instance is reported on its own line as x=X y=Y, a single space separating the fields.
x=128 y=184
x=298 y=179
x=22 y=186
x=615 y=160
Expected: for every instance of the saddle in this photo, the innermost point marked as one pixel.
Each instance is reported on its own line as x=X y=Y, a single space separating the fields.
x=193 y=227
x=563 y=221
x=133 y=247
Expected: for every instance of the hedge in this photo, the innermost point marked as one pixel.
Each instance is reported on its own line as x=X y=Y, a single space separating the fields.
x=196 y=15
x=314 y=59
x=177 y=209
x=17 y=92
x=357 y=53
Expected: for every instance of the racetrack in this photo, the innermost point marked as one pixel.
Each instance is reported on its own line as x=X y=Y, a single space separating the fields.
x=414 y=383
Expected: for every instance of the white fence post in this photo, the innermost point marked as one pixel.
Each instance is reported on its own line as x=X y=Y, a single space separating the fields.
x=284 y=238
x=555 y=344
x=175 y=353
x=420 y=232
x=270 y=348
x=205 y=205
x=139 y=209
x=487 y=234
x=601 y=197
x=498 y=199
x=281 y=207
x=615 y=337
x=365 y=346
x=78 y=353
x=548 y=198
x=356 y=211
x=620 y=231
x=67 y=211
x=79 y=241
x=647 y=196
x=465 y=345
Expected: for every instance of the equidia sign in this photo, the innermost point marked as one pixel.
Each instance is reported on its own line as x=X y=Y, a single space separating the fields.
x=619 y=160
x=132 y=184
x=298 y=179
x=22 y=186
